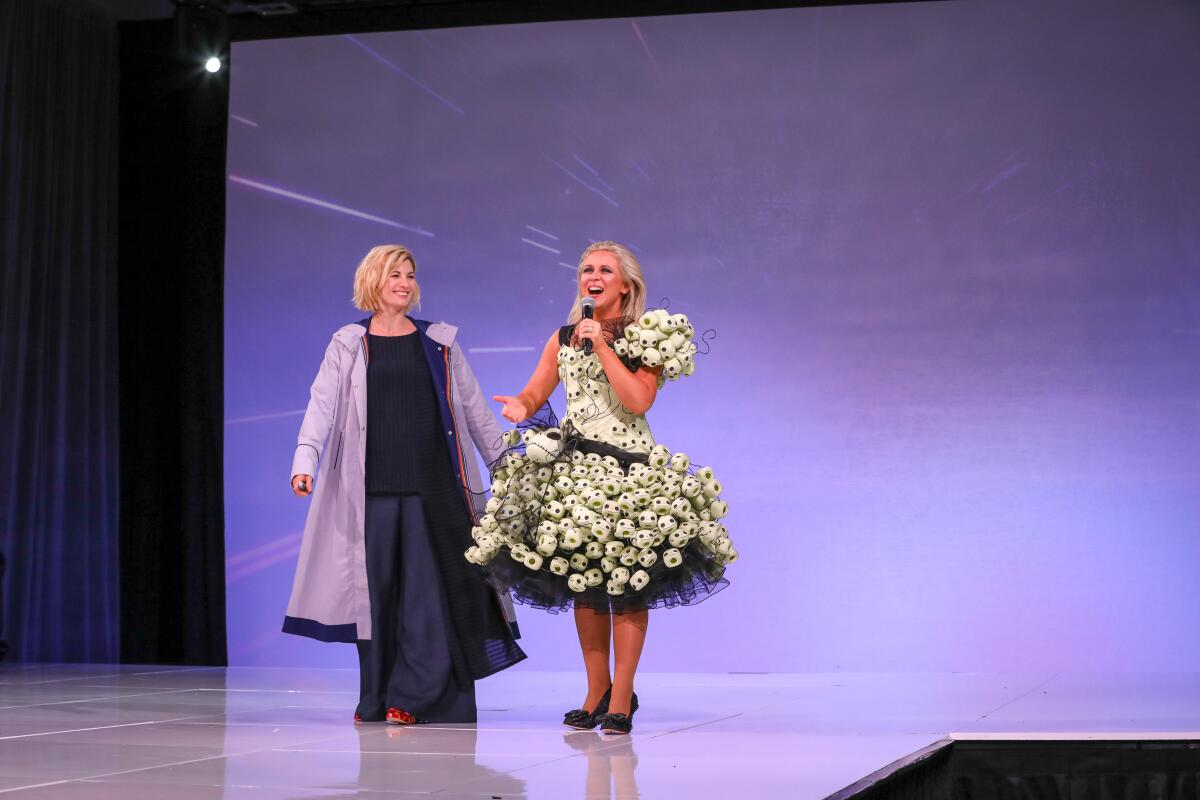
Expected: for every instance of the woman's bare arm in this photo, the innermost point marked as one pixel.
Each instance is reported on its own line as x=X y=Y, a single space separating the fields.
x=635 y=390
x=537 y=391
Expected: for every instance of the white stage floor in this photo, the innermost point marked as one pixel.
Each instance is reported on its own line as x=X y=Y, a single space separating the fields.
x=149 y=733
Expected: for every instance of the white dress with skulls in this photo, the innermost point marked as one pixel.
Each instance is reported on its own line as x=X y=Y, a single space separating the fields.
x=593 y=512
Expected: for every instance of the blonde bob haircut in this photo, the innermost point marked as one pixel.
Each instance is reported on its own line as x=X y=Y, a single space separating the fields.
x=633 y=304
x=372 y=274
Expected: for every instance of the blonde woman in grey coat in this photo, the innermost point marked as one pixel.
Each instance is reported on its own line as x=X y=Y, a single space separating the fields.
x=388 y=420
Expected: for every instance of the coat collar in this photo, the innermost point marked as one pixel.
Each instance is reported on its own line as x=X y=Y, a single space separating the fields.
x=440 y=332
x=351 y=335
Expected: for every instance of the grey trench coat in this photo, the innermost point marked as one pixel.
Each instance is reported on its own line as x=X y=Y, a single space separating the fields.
x=329 y=598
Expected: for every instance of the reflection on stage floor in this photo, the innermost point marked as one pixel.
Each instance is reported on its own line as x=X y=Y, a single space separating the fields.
x=135 y=732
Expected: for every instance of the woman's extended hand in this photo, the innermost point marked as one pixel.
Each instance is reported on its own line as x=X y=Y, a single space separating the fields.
x=514 y=409
x=302 y=485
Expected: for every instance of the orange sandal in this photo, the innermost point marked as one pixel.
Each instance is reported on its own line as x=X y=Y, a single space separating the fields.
x=398 y=716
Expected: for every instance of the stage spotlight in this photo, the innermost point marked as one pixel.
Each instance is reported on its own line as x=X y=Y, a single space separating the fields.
x=201 y=33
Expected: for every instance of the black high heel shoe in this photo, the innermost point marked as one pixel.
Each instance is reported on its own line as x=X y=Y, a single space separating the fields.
x=586 y=720
x=619 y=723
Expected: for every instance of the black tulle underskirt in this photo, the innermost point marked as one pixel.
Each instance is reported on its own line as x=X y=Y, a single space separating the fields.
x=699 y=577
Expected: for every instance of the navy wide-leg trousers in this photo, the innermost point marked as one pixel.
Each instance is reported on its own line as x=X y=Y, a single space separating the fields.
x=407 y=663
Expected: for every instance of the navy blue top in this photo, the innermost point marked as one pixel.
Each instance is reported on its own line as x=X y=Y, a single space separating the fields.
x=404 y=440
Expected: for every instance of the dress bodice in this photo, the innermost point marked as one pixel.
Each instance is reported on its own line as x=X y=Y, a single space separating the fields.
x=593 y=407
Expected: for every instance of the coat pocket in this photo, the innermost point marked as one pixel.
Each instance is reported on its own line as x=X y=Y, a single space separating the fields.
x=337 y=454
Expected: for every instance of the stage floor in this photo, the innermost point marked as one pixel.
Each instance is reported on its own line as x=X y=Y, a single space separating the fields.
x=149 y=733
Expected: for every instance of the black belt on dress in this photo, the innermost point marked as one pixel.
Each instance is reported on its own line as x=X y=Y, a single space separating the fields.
x=623 y=457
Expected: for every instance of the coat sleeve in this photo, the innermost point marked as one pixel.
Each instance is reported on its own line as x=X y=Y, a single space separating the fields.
x=481 y=422
x=319 y=416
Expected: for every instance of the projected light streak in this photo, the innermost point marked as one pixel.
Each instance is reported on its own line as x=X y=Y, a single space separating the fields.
x=638 y=167
x=1003 y=175
x=649 y=55
x=571 y=267
x=542 y=246
x=501 y=349
x=584 y=183
x=260 y=417
x=542 y=232
x=585 y=165
x=984 y=177
x=595 y=174
x=303 y=198
x=244 y=121
x=265 y=555
x=263 y=549
x=400 y=71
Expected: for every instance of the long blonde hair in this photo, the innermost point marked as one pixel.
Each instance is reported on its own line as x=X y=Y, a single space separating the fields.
x=633 y=303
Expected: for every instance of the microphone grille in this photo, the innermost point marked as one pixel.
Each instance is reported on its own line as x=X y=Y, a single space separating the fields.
x=587 y=302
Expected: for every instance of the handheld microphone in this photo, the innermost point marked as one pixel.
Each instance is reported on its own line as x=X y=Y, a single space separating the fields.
x=588 y=306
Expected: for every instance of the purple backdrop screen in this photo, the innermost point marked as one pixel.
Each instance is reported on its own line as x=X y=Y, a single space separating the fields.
x=950 y=251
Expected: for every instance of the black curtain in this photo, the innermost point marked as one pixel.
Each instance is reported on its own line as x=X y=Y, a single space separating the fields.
x=58 y=341
x=172 y=193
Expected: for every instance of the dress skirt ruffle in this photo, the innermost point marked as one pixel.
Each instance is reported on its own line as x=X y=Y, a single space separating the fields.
x=574 y=523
